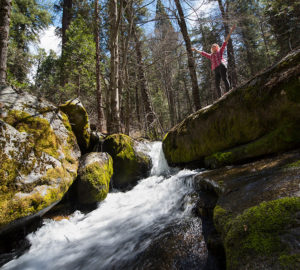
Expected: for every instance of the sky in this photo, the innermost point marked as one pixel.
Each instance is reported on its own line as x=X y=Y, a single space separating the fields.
x=49 y=41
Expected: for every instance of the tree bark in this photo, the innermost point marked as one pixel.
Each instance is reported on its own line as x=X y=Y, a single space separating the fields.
x=149 y=115
x=66 y=21
x=98 y=68
x=5 y=9
x=230 y=51
x=191 y=61
x=113 y=125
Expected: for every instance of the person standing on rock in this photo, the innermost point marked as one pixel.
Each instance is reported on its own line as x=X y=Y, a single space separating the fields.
x=218 y=63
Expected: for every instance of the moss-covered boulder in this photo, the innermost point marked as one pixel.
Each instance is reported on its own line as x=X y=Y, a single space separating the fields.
x=258 y=212
x=38 y=155
x=130 y=165
x=95 y=172
x=79 y=120
x=259 y=118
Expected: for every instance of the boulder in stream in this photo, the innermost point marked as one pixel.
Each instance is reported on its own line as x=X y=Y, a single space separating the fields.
x=79 y=120
x=256 y=119
x=38 y=156
x=257 y=212
x=130 y=164
x=95 y=172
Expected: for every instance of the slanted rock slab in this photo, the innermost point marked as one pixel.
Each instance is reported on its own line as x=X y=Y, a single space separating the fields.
x=95 y=172
x=259 y=118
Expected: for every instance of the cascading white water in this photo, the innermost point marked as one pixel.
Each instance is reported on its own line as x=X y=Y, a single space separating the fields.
x=121 y=227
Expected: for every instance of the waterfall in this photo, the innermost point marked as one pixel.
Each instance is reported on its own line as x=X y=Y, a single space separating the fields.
x=122 y=226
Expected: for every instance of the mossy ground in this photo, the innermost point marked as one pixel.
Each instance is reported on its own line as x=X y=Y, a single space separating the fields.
x=254 y=235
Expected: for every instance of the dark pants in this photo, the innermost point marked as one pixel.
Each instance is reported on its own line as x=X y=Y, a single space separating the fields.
x=221 y=72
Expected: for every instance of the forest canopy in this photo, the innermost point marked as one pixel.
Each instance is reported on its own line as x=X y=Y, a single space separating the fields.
x=130 y=61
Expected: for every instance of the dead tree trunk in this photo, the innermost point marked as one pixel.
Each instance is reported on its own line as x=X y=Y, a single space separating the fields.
x=191 y=61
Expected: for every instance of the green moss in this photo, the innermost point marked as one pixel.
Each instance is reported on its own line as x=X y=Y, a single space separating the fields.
x=293 y=90
x=94 y=181
x=43 y=138
x=78 y=117
x=12 y=208
x=295 y=164
x=267 y=104
x=284 y=137
x=290 y=262
x=256 y=232
x=221 y=219
x=129 y=166
x=71 y=140
x=8 y=171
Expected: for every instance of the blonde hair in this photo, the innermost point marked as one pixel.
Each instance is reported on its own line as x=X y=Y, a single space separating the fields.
x=214 y=45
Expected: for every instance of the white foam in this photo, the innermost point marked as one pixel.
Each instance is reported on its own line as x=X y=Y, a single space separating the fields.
x=115 y=230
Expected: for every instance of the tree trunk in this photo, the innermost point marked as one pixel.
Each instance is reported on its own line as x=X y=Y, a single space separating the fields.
x=231 y=59
x=98 y=69
x=5 y=9
x=66 y=21
x=191 y=61
x=113 y=125
x=149 y=115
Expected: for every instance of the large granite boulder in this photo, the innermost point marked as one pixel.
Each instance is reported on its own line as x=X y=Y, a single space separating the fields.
x=38 y=155
x=95 y=172
x=259 y=118
x=257 y=211
x=79 y=120
x=130 y=165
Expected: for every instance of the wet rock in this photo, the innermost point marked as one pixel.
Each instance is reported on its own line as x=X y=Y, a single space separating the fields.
x=38 y=156
x=130 y=165
x=178 y=246
x=95 y=172
x=257 y=211
x=259 y=118
x=79 y=120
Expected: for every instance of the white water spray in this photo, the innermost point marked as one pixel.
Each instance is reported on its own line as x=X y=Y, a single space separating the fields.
x=122 y=225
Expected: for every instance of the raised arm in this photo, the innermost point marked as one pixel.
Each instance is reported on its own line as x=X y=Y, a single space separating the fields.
x=207 y=55
x=231 y=30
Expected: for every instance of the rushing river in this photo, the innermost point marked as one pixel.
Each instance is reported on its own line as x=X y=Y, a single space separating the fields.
x=126 y=229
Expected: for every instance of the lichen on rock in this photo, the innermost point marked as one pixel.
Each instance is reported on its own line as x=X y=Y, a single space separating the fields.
x=95 y=172
x=130 y=165
x=79 y=120
x=38 y=155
